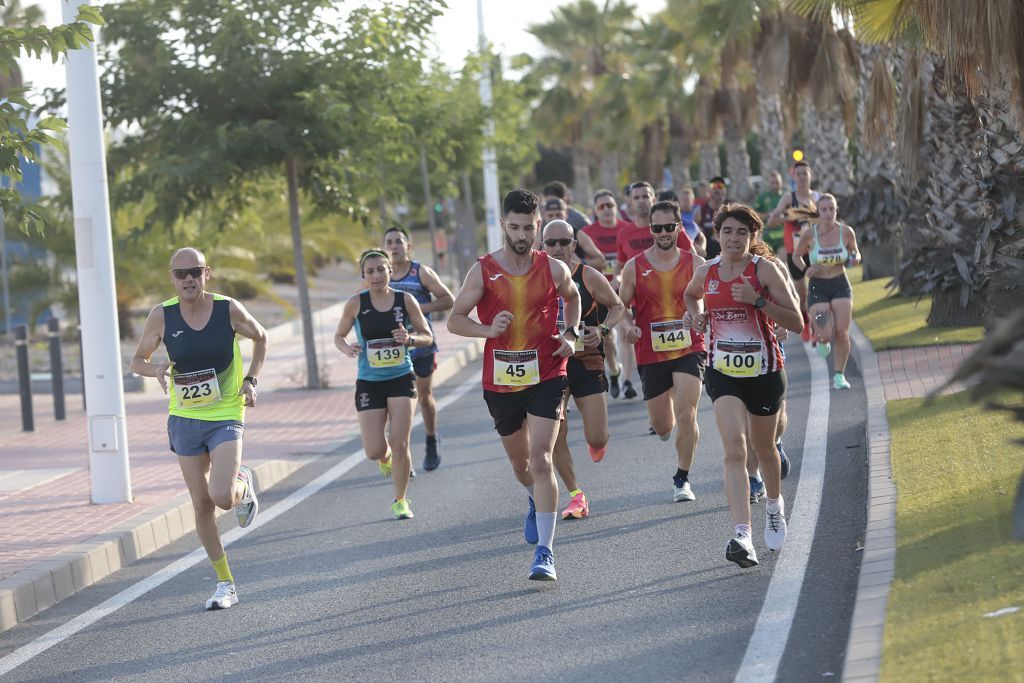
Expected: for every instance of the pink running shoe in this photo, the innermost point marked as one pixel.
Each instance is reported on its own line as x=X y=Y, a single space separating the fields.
x=596 y=454
x=577 y=508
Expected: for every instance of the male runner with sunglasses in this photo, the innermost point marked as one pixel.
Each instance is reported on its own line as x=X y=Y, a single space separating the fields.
x=669 y=355
x=209 y=394
x=632 y=241
x=605 y=234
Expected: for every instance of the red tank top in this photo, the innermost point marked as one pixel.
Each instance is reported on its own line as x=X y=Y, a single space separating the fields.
x=659 y=311
x=791 y=229
x=523 y=356
x=742 y=341
x=606 y=240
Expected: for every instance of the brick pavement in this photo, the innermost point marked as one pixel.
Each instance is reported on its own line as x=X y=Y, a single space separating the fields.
x=913 y=373
x=287 y=423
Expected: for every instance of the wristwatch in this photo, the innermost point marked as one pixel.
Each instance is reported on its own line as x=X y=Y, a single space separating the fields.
x=251 y=380
x=760 y=302
x=575 y=333
x=605 y=330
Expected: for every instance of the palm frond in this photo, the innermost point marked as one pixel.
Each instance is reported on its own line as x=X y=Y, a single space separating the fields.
x=880 y=106
x=911 y=118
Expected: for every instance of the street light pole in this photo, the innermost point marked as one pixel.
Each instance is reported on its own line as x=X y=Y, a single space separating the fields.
x=97 y=301
x=494 y=240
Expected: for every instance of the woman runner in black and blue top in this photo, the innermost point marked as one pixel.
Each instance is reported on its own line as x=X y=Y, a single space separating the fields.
x=385 y=385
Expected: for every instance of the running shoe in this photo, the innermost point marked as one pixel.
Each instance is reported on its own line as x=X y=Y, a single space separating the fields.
x=401 y=509
x=650 y=430
x=543 y=568
x=613 y=385
x=432 y=459
x=412 y=472
x=385 y=465
x=248 y=506
x=756 y=489
x=596 y=454
x=530 y=524
x=627 y=390
x=824 y=348
x=225 y=596
x=839 y=381
x=785 y=464
x=775 y=525
x=682 y=491
x=741 y=551
x=577 y=507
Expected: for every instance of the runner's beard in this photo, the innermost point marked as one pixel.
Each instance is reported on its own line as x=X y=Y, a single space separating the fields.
x=519 y=247
x=667 y=244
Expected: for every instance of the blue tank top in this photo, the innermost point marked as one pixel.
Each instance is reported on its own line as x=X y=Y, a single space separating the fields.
x=380 y=356
x=412 y=284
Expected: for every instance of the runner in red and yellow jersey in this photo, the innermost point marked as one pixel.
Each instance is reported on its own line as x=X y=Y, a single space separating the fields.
x=633 y=239
x=605 y=234
x=745 y=295
x=669 y=355
x=515 y=291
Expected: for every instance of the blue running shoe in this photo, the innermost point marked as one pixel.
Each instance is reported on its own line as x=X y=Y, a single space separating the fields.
x=543 y=568
x=785 y=460
x=530 y=524
x=756 y=489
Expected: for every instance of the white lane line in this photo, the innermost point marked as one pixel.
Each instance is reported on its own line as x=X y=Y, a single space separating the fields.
x=768 y=642
x=137 y=590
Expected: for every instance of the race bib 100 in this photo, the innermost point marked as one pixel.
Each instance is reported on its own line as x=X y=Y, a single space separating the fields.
x=516 y=368
x=385 y=353
x=738 y=358
x=669 y=335
x=196 y=389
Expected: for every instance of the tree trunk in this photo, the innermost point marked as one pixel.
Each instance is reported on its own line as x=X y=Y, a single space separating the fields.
x=609 y=170
x=771 y=132
x=875 y=157
x=652 y=156
x=947 y=311
x=313 y=380
x=680 y=149
x=881 y=258
x=828 y=150
x=738 y=161
x=582 y=187
x=466 y=243
x=710 y=165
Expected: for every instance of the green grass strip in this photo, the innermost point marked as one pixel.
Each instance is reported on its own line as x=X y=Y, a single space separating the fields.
x=896 y=322
x=956 y=470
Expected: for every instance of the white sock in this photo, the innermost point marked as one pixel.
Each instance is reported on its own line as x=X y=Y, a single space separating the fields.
x=743 y=529
x=546 y=529
x=774 y=504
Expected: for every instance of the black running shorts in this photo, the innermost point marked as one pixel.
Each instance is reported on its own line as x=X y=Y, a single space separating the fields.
x=372 y=395
x=509 y=408
x=762 y=395
x=794 y=272
x=657 y=377
x=584 y=382
x=822 y=290
x=424 y=365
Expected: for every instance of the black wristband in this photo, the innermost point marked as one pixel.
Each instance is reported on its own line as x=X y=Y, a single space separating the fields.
x=250 y=379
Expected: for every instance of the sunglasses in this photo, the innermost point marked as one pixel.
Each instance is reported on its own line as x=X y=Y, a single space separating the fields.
x=562 y=242
x=663 y=227
x=718 y=186
x=182 y=273
x=606 y=205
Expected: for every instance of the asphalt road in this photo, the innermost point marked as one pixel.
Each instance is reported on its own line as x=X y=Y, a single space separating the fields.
x=334 y=589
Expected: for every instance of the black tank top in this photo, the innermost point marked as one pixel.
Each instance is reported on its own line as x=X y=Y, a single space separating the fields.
x=192 y=350
x=591 y=312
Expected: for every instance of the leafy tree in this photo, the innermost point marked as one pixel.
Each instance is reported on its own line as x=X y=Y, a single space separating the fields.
x=219 y=95
x=19 y=139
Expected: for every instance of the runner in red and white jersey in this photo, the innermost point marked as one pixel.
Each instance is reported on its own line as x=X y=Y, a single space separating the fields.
x=515 y=291
x=744 y=295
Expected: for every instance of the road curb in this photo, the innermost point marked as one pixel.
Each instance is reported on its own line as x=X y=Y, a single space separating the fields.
x=864 y=647
x=44 y=584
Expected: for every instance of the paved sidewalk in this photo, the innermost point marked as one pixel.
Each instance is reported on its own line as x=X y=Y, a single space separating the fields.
x=44 y=478
x=913 y=373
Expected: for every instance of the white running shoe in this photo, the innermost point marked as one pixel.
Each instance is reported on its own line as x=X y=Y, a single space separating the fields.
x=741 y=551
x=248 y=505
x=224 y=597
x=683 y=493
x=775 y=525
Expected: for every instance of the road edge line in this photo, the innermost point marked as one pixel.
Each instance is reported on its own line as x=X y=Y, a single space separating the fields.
x=863 y=660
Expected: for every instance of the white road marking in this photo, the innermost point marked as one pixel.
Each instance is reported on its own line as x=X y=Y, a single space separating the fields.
x=132 y=593
x=768 y=642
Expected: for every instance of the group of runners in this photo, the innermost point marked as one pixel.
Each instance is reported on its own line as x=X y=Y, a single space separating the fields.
x=565 y=311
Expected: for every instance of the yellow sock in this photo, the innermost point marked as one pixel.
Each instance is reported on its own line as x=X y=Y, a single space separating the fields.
x=223 y=571
x=575 y=493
